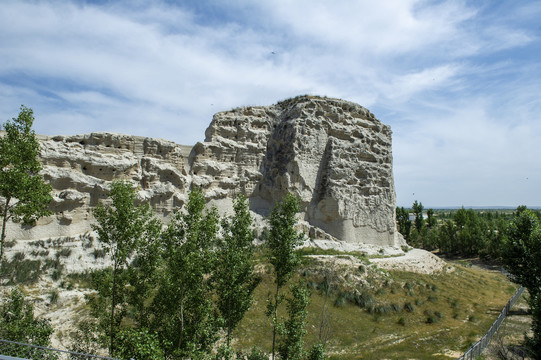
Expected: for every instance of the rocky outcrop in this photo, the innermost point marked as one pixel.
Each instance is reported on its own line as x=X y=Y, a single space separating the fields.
x=333 y=154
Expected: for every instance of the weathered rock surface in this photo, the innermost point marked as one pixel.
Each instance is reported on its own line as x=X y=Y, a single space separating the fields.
x=333 y=154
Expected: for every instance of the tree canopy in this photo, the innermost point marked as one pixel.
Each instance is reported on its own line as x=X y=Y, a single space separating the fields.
x=24 y=193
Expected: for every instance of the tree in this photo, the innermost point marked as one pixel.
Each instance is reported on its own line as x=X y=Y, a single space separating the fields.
x=123 y=228
x=24 y=193
x=291 y=346
x=184 y=315
x=418 y=211
x=281 y=243
x=17 y=323
x=521 y=255
x=403 y=222
x=430 y=219
x=234 y=276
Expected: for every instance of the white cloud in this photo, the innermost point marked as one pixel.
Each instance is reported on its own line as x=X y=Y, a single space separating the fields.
x=442 y=73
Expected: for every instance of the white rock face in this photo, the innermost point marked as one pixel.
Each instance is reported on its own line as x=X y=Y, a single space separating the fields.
x=333 y=154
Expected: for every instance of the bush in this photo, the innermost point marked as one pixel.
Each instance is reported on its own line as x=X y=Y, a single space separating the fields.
x=340 y=301
x=53 y=296
x=98 y=253
x=21 y=272
x=65 y=252
x=255 y=354
x=18 y=256
x=365 y=300
x=138 y=344
x=408 y=286
x=402 y=321
x=317 y=352
x=409 y=307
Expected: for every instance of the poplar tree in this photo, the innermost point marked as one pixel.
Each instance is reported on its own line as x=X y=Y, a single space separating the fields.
x=185 y=317
x=122 y=229
x=234 y=276
x=282 y=241
x=24 y=194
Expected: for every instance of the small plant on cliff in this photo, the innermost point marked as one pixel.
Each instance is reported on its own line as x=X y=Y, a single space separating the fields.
x=24 y=194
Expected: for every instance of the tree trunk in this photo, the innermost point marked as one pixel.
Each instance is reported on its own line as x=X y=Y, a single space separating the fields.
x=113 y=303
x=275 y=320
x=228 y=321
x=4 y=222
x=181 y=323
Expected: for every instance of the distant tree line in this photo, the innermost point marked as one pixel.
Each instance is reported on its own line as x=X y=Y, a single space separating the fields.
x=462 y=232
x=514 y=239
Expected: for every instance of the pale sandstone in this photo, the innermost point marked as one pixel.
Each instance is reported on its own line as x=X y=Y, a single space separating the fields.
x=333 y=154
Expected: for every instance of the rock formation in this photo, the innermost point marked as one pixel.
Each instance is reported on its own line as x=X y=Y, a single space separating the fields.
x=333 y=154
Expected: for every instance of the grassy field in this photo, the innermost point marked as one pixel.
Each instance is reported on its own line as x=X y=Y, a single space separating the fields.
x=377 y=314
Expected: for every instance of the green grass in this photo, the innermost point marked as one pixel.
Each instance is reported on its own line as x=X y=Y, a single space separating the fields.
x=368 y=323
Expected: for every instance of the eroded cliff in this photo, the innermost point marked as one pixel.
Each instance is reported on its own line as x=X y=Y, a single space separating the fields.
x=333 y=154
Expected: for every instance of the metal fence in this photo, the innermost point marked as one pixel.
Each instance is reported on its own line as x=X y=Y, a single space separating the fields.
x=12 y=350
x=477 y=348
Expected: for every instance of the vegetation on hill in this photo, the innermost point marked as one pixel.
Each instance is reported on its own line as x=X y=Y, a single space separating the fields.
x=512 y=239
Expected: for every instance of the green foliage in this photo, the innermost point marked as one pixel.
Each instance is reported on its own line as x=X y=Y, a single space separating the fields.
x=184 y=314
x=21 y=271
x=255 y=354
x=317 y=352
x=293 y=331
x=138 y=344
x=17 y=322
x=125 y=229
x=403 y=222
x=282 y=240
x=234 y=276
x=418 y=211
x=522 y=258
x=24 y=194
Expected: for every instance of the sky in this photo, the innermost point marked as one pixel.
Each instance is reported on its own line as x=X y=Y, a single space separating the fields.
x=458 y=81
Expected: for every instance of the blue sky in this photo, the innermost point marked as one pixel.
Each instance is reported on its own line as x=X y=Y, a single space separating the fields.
x=458 y=81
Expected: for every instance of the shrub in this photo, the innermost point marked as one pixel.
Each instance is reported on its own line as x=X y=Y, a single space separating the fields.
x=18 y=256
x=255 y=354
x=53 y=296
x=408 y=286
x=64 y=252
x=21 y=272
x=56 y=274
x=364 y=300
x=317 y=352
x=98 y=253
x=340 y=300
x=432 y=299
x=409 y=307
x=10 y=243
x=40 y=253
x=402 y=321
